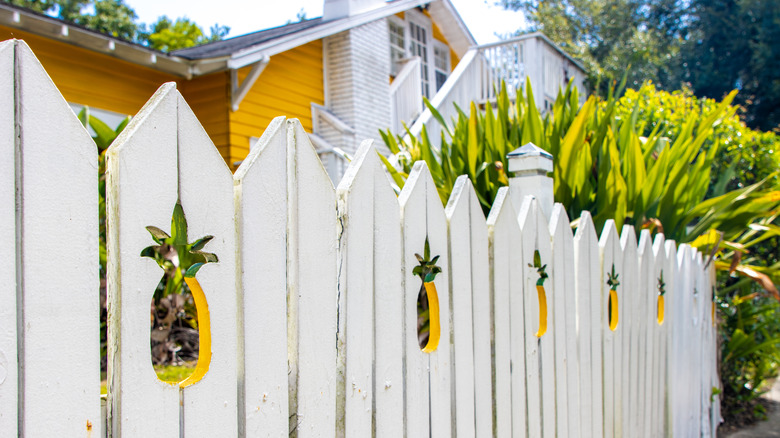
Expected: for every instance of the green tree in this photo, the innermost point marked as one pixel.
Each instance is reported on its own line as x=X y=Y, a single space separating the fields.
x=733 y=43
x=111 y=17
x=609 y=35
x=118 y=19
x=167 y=35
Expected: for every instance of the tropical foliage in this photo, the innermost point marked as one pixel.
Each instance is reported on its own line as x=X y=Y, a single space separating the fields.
x=670 y=162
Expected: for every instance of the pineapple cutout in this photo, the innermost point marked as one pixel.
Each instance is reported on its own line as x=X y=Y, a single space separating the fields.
x=181 y=261
x=540 y=292
x=661 y=293
x=428 y=321
x=613 y=283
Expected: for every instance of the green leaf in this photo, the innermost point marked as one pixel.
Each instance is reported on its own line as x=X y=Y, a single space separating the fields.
x=179 y=226
x=158 y=235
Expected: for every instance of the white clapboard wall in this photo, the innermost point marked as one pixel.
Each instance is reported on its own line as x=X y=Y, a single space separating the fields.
x=313 y=302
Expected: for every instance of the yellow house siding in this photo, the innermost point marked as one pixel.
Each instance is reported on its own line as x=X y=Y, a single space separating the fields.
x=92 y=78
x=289 y=84
x=208 y=98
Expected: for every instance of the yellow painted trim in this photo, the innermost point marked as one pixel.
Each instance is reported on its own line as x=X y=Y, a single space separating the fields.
x=433 y=312
x=540 y=292
x=613 y=307
x=204 y=333
x=660 y=310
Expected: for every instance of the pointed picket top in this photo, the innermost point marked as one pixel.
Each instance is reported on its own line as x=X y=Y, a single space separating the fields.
x=261 y=214
x=162 y=158
x=611 y=274
x=370 y=272
x=471 y=310
x=423 y=218
x=587 y=276
x=645 y=323
x=657 y=328
x=539 y=318
x=670 y=324
x=628 y=308
x=508 y=317
x=50 y=208
x=267 y=141
x=312 y=273
x=565 y=311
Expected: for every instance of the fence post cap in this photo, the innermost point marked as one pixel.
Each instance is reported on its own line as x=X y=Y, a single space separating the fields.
x=530 y=158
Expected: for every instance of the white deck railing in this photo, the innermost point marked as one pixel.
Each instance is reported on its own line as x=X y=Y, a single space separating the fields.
x=481 y=70
x=406 y=95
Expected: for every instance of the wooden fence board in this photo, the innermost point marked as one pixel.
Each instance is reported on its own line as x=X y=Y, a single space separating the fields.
x=565 y=310
x=657 y=333
x=209 y=407
x=143 y=157
x=629 y=309
x=587 y=274
x=646 y=310
x=508 y=325
x=468 y=241
x=58 y=252
x=312 y=287
x=261 y=196
x=611 y=256
x=422 y=216
x=9 y=365
x=388 y=308
x=369 y=245
x=540 y=356
x=667 y=343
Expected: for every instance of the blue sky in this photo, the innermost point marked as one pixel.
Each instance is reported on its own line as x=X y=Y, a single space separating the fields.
x=482 y=17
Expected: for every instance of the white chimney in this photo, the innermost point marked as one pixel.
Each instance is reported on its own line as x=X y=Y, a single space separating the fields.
x=335 y=9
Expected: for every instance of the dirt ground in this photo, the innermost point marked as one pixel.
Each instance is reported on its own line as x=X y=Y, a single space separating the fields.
x=769 y=428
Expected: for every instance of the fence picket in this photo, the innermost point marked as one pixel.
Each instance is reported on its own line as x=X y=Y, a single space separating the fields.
x=657 y=334
x=422 y=217
x=142 y=158
x=209 y=407
x=540 y=351
x=629 y=312
x=587 y=275
x=508 y=329
x=51 y=199
x=470 y=310
x=9 y=365
x=667 y=341
x=312 y=287
x=370 y=265
x=565 y=317
x=611 y=261
x=261 y=196
x=644 y=311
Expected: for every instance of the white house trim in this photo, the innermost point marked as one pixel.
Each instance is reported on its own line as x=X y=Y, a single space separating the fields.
x=239 y=91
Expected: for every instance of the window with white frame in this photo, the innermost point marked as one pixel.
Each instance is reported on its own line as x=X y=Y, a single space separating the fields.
x=441 y=63
x=397 y=44
x=418 y=45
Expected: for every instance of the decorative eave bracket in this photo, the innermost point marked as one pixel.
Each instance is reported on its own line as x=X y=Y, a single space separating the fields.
x=239 y=91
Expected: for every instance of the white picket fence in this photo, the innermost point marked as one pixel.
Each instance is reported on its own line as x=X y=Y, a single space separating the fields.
x=313 y=303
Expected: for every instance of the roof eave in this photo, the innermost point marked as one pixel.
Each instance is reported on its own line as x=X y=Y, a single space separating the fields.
x=55 y=29
x=252 y=54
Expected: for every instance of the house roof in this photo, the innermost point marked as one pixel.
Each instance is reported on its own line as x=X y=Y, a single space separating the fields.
x=229 y=46
x=235 y=52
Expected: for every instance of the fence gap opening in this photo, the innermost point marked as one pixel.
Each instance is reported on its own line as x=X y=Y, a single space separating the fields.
x=541 y=293
x=612 y=305
x=428 y=321
x=661 y=299
x=180 y=339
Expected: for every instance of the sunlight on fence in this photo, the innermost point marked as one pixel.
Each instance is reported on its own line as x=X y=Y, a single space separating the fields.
x=315 y=313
